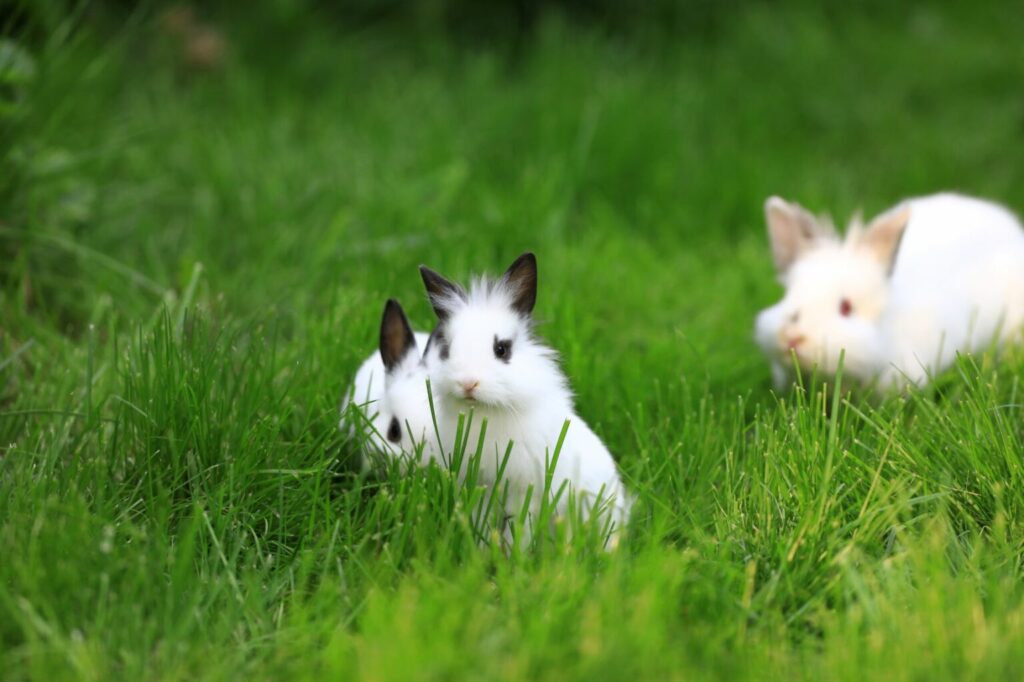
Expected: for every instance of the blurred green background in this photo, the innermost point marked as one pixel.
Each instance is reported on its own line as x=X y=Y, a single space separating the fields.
x=203 y=209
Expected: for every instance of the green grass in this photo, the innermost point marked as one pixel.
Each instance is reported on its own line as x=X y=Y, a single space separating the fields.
x=195 y=264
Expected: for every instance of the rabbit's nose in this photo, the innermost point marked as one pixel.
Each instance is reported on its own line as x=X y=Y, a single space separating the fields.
x=793 y=342
x=468 y=386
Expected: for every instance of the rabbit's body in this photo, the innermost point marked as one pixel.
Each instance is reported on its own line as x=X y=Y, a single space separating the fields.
x=585 y=468
x=958 y=285
x=484 y=359
x=936 y=276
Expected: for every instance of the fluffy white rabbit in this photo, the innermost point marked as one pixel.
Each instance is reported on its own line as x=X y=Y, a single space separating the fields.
x=485 y=358
x=930 y=278
x=390 y=392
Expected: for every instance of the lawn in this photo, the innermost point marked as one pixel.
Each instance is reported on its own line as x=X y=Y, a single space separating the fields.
x=194 y=263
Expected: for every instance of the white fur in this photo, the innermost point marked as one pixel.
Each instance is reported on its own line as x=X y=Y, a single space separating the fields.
x=526 y=402
x=956 y=286
x=382 y=396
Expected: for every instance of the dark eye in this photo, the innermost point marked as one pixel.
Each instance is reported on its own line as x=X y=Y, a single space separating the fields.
x=845 y=307
x=503 y=349
x=395 y=431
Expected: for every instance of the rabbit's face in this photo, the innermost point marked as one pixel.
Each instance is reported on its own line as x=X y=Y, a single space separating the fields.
x=483 y=350
x=485 y=355
x=836 y=291
x=833 y=303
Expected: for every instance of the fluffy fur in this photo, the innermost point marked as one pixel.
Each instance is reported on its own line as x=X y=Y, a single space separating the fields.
x=524 y=397
x=396 y=394
x=932 y=277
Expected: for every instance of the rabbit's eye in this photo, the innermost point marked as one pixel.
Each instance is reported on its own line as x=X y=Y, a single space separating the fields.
x=394 y=431
x=845 y=307
x=503 y=349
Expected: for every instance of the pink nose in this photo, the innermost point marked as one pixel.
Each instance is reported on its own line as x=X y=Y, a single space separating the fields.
x=794 y=341
x=468 y=387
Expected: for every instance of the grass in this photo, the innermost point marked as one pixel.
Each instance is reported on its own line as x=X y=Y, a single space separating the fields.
x=194 y=265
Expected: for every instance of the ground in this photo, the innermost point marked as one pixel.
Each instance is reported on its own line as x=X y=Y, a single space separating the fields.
x=195 y=262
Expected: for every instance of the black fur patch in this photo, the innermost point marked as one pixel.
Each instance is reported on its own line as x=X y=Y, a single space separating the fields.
x=503 y=349
x=395 y=431
x=438 y=337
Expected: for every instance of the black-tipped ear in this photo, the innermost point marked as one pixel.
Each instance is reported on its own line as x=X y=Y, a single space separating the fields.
x=521 y=281
x=439 y=289
x=396 y=337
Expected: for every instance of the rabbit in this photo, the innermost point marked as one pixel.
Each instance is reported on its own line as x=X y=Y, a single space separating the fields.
x=485 y=358
x=931 y=277
x=390 y=390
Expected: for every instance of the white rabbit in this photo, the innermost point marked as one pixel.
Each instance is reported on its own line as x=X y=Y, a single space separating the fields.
x=930 y=278
x=484 y=357
x=390 y=393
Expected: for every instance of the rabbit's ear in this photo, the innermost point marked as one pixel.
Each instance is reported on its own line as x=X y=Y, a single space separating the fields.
x=396 y=337
x=521 y=282
x=883 y=236
x=792 y=230
x=441 y=291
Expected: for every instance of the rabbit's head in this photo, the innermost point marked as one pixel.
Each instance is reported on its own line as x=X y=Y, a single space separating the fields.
x=837 y=289
x=483 y=352
x=403 y=421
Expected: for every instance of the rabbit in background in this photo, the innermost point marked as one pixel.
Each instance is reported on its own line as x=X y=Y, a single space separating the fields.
x=900 y=298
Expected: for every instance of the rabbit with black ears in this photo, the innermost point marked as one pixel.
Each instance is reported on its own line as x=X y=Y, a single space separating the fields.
x=484 y=357
x=390 y=394
x=927 y=279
